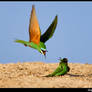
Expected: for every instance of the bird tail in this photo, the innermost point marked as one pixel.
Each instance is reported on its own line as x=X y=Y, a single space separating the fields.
x=49 y=75
x=21 y=41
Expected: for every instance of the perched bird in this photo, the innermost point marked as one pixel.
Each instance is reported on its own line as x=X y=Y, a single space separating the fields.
x=36 y=40
x=62 y=69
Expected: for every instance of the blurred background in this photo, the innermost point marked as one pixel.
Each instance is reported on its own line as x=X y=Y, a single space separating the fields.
x=72 y=38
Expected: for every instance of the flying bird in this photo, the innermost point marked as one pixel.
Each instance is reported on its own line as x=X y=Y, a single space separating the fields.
x=36 y=40
x=62 y=69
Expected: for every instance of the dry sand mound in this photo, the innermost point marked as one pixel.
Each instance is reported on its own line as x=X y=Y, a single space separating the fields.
x=31 y=74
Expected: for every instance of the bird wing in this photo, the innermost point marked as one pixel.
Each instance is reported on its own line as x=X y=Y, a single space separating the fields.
x=50 y=31
x=58 y=70
x=34 y=29
x=55 y=72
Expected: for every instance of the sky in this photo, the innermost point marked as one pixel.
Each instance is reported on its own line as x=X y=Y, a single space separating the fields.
x=72 y=38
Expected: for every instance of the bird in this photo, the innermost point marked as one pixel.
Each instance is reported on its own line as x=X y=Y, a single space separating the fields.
x=36 y=39
x=62 y=69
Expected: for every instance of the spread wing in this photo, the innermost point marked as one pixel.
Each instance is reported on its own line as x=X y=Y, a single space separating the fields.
x=34 y=29
x=50 y=31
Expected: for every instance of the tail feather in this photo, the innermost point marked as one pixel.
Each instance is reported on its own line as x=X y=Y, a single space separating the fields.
x=21 y=41
x=49 y=75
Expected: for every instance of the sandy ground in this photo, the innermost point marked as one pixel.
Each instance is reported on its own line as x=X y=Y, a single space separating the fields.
x=31 y=75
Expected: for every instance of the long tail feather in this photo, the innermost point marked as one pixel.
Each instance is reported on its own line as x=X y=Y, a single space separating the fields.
x=50 y=75
x=21 y=41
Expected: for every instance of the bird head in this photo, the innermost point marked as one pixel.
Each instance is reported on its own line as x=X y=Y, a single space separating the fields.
x=43 y=49
x=64 y=60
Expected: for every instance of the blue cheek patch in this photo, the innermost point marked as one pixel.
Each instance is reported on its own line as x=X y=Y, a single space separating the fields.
x=43 y=49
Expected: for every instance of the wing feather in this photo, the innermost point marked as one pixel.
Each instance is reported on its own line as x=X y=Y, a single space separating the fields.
x=50 y=31
x=34 y=29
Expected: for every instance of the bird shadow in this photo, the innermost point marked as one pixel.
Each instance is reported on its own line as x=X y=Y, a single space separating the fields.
x=74 y=75
x=71 y=75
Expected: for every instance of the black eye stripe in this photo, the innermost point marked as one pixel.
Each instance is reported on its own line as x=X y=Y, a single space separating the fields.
x=43 y=51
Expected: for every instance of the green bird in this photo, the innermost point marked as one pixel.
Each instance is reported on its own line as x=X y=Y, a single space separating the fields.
x=36 y=40
x=62 y=69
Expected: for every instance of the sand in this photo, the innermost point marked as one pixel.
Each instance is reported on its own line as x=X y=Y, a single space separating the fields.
x=31 y=75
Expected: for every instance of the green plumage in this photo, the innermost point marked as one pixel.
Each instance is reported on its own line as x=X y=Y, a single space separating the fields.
x=61 y=69
x=21 y=41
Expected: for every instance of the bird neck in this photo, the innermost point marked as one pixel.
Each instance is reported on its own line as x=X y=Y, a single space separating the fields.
x=63 y=64
x=42 y=46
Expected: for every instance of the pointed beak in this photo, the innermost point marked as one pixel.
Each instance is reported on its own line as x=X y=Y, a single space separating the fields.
x=44 y=53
